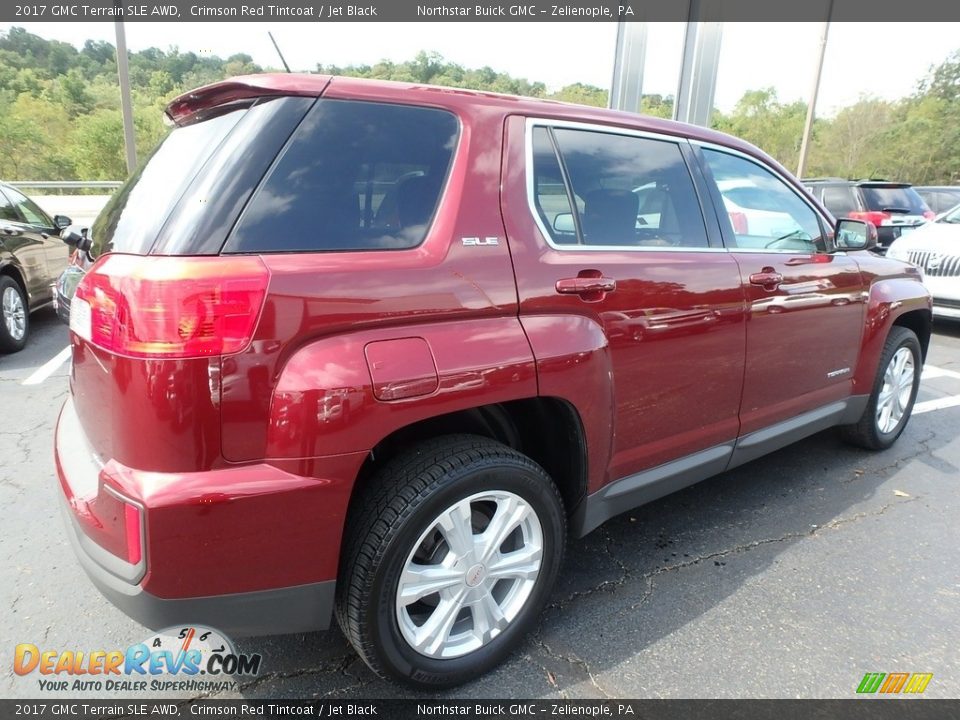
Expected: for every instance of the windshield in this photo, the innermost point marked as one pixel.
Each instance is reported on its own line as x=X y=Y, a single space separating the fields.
x=951 y=216
x=894 y=199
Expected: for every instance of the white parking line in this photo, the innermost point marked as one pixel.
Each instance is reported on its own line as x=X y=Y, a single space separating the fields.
x=48 y=368
x=938 y=404
x=930 y=372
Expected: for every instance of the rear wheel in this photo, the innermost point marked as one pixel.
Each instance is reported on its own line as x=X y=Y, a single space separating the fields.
x=449 y=560
x=14 y=316
x=894 y=393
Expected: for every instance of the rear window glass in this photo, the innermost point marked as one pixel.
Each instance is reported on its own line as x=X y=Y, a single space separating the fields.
x=131 y=220
x=354 y=176
x=894 y=199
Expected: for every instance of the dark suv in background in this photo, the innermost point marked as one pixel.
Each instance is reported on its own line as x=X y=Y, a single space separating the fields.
x=895 y=208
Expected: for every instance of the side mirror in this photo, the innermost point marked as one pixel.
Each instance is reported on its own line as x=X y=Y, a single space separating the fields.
x=564 y=223
x=76 y=236
x=855 y=235
x=61 y=222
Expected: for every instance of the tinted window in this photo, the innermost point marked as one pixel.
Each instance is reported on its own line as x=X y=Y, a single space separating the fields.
x=631 y=191
x=354 y=176
x=549 y=191
x=946 y=200
x=839 y=200
x=135 y=213
x=893 y=199
x=778 y=221
x=7 y=211
x=29 y=209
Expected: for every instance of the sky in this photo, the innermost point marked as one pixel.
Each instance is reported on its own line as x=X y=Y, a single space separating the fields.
x=883 y=60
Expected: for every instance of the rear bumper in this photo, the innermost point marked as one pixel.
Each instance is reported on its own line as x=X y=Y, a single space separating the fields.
x=250 y=550
x=303 y=608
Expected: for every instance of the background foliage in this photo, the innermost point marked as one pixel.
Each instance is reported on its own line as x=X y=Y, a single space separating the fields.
x=60 y=111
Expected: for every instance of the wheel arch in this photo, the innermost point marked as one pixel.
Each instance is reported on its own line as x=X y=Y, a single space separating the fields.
x=546 y=429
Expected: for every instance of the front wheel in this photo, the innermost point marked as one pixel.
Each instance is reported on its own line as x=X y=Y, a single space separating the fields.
x=449 y=560
x=14 y=316
x=894 y=393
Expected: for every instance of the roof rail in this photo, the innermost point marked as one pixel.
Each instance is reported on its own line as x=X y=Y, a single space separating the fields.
x=824 y=179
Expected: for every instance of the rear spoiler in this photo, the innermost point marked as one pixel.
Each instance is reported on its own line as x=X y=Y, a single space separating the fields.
x=244 y=87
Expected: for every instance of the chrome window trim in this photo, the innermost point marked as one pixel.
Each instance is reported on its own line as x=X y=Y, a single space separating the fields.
x=534 y=122
x=773 y=171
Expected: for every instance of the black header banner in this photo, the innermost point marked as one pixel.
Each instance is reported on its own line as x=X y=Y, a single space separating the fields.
x=485 y=11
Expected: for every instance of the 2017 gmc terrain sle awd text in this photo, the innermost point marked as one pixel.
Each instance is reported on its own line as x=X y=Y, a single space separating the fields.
x=375 y=350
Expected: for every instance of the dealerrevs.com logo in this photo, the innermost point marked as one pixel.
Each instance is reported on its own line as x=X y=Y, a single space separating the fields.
x=189 y=659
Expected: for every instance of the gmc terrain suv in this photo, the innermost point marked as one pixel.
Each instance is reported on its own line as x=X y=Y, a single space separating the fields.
x=376 y=350
x=894 y=208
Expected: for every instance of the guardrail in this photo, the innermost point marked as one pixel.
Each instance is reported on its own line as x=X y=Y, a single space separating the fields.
x=68 y=184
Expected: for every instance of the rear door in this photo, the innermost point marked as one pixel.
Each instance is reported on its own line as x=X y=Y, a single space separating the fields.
x=806 y=304
x=609 y=241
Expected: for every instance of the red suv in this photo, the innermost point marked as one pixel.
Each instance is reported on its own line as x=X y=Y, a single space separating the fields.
x=375 y=350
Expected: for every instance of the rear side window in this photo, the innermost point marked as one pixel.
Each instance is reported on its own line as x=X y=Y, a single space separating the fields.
x=354 y=176
x=630 y=191
x=839 y=200
x=893 y=199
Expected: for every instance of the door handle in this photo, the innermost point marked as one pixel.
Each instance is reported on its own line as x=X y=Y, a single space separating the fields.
x=9 y=230
x=586 y=286
x=768 y=278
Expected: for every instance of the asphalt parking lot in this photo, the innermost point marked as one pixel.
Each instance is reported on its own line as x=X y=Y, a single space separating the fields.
x=789 y=577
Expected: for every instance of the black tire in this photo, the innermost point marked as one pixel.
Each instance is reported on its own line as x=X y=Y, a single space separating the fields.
x=8 y=343
x=866 y=432
x=385 y=527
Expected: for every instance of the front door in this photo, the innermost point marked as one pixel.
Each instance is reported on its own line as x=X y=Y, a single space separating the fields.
x=805 y=304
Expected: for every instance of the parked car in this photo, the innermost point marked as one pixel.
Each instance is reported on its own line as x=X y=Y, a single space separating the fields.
x=31 y=258
x=935 y=249
x=895 y=208
x=433 y=382
x=940 y=198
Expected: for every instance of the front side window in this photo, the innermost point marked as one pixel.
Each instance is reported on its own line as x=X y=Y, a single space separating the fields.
x=763 y=211
x=30 y=210
x=354 y=176
x=626 y=191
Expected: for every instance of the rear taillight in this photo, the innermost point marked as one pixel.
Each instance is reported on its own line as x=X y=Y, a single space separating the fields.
x=170 y=307
x=739 y=222
x=876 y=217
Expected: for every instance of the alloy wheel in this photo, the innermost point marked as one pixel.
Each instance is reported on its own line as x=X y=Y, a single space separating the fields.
x=469 y=575
x=896 y=391
x=14 y=314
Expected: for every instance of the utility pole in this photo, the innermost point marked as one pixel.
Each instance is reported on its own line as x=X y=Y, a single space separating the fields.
x=814 y=91
x=129 y=139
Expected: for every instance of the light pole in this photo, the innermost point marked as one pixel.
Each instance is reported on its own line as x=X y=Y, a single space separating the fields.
x=129 y=140
x=814 y=91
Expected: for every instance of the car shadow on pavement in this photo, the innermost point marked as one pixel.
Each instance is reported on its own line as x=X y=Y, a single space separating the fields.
x=643 y=576
x=950 y=328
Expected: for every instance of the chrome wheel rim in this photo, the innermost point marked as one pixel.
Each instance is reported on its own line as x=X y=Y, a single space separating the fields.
x=469 y=574
x=896 y=391
x=14 y=314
